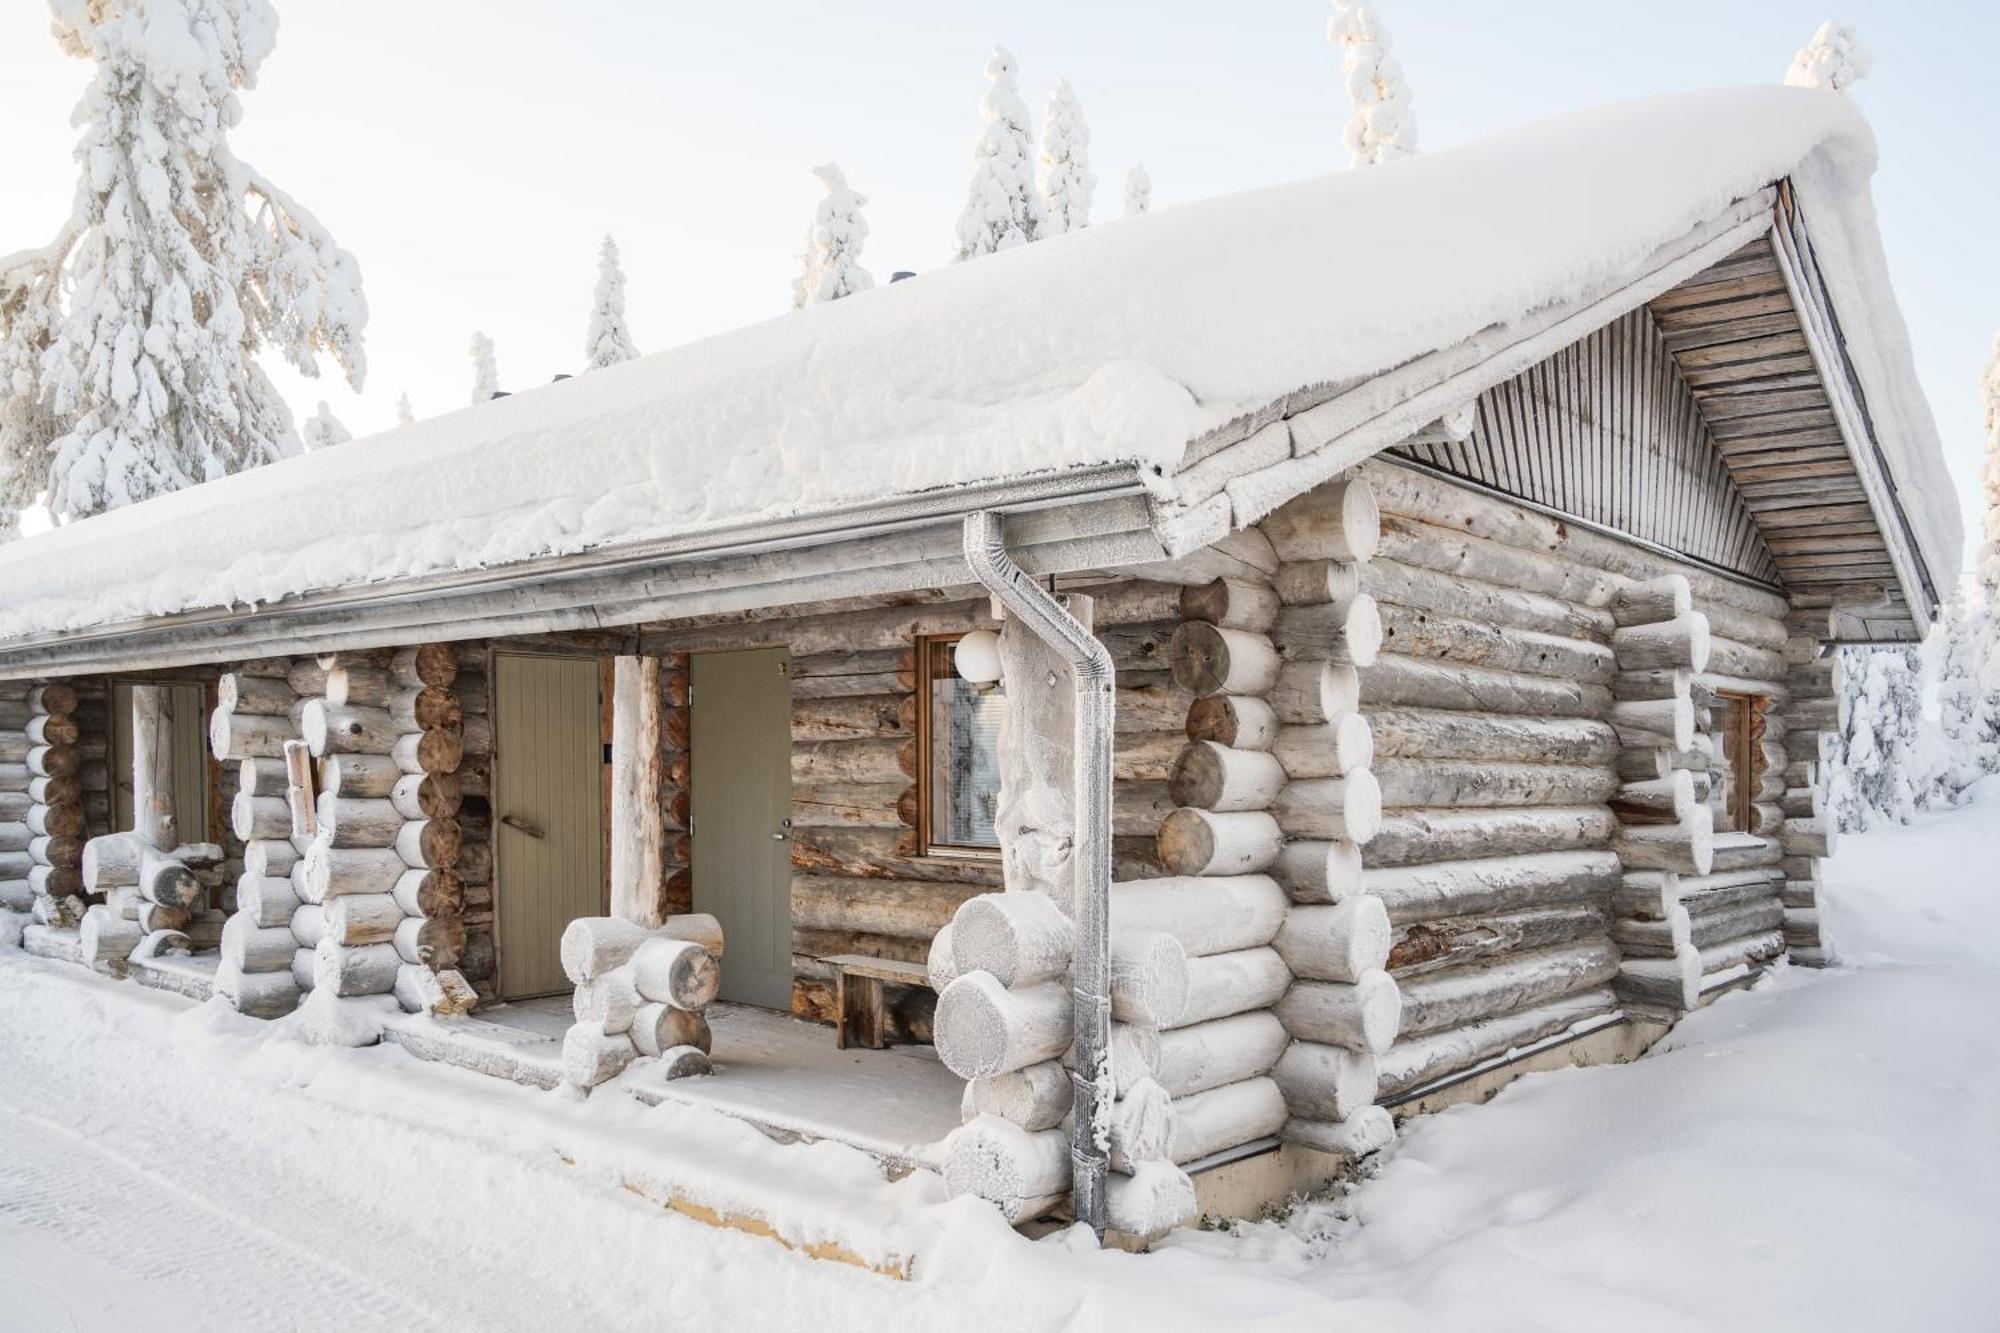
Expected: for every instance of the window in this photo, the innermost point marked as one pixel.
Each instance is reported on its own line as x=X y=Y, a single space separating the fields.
x=189 y=742
x=1739 y=727
x=958 y=748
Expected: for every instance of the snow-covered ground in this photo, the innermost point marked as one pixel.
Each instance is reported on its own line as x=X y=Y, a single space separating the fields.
x=1822 y=1152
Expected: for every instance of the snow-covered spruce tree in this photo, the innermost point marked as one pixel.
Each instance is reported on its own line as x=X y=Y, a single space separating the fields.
x=29 y=307
x=1875 y=777
x=831 y=266
x=179 y=262
x=1065 y=176
x=322 y=430
x=1986 y=585
x=1383 y=127
x=485 y=373
x=1833 y=59
x=1002 y=209
x=1955 y=643
x=1138 y=190
x=405 y=414
x=608 y=341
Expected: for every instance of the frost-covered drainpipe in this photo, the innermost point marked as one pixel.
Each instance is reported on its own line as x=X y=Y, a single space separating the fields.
x=1094 y=680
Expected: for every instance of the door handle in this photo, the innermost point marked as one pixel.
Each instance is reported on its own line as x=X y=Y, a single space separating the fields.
x=515 y=822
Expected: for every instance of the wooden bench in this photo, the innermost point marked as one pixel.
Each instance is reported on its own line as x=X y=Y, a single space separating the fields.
x=857 y=996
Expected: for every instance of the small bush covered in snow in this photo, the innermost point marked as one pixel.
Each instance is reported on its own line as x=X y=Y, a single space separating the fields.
x=1002 y=209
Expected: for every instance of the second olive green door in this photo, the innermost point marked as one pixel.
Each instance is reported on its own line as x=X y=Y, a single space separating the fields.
x=548 y=808
x=741 y=728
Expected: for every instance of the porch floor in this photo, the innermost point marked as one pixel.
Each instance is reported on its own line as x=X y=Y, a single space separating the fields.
x=787 y=1077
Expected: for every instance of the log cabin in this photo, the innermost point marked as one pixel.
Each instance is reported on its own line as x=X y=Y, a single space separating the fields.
x=1168 y=702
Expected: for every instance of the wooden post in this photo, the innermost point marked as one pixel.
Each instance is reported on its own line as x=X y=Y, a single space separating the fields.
x=153 y=766
x=638 y=792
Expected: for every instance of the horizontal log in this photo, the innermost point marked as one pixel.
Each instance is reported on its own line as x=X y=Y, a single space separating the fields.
x=1409 y=783
x=1196 y=841
x=1420 y=589
x=1348 y=808
x=1417 y=1060
x=863 y=717
x=1326 y=749
x=1314 y=870
x=1200 y=1056
x=1214 y=777
x=1226 y=1117
x=886 y=760
x=1423 y=947
x=1208 y=659
x=903 y=909
x=1754 y=917
x=1681 y=643
x=1650 y=601
x=1232 y=604
x=1437 y=733
x=1427 y=636
x=1417 y=836
x=1222 y=984
x=1346 y=633
x=983 y=1029
x=1338 y=520
x=1686 y=848
x=1451 y=999
x=1237 y=721
x=1311 y=692
x=1492 y=884
x=1406 y=681
x=233 y=735
x=1309 y=582
x=1207 y=915
x=1654 y=723
x=1338 y=942
x=881 y=853
x=1322 y=1082
x=1362 y=1016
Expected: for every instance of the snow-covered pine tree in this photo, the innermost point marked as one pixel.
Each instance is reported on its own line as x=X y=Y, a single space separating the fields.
x=405 y=414
x=485 y=372
x=322 y=430
x=831 y=266
x=1955 y=643
x=1138 y=190
x=1986 y=583
x=1876 y=776
x=1002 y=209
x=179 y=262
x=1382 y=127
x=1065 y=176
x=1833 y=59
x=608 y=341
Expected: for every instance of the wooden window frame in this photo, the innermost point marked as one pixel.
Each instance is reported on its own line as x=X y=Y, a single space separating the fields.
x=926 y=676
x=1743 y=755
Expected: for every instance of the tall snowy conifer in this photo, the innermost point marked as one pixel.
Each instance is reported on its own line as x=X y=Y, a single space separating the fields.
x=1986 y=578
x=831 y=266
x=405 y=414
x=1138 y=190
x=1002 y=209
x=1065 y=176
x=179 y=262
x=1878 y=775
x=1383 y=127
x=322 y=430
x=485 y=372
x=1833 y=59
x=1955 y=641
x=608 y=341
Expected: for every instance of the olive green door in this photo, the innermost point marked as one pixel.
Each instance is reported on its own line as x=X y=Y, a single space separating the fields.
x=741 y=771
x=548 y=807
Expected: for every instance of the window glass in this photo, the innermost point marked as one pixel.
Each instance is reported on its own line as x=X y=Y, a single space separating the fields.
x=961 y=754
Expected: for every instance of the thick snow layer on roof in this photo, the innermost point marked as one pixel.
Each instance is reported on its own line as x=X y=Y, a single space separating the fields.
x=1116 y=344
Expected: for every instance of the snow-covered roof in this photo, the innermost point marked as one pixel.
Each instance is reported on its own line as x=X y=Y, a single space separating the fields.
x=1114 y=345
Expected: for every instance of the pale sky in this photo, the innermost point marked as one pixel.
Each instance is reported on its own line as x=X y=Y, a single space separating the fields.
x=472 y=152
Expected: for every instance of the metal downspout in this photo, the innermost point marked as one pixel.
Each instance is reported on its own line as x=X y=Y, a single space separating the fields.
x=1094 y=680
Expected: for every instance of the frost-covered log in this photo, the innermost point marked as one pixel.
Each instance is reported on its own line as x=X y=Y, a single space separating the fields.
x=1036 y=1097
x=940 y=963
x=111 y=861
x=248 y=947
x=1683 y=642
x=1368 y=1130
x=1420 y=1059
x=234 y=736
x=591 y=1056
x=330 y=872
x=362 y=918
x=676 y=972
x=1687 y=847
x=1408 y=783
x=1311 y=692
x=982 y=1028
x=1224 y=1050
x=1654 y=723
x=1348 y=633
x=1347 y=808
x=1225 y=1117
x=1208 y=659
x=1398 y=680
x=609 y=1001
x=1023 y=1174
x=1217 y=914
x=105 y=938
x=1319 y=870
x=1664 y=983
x=1195 y=841
x=1419 y=836
x=1439 y=733
x=1326 y=749
x=1238 y=721
x=258 y=994
x=593 y=945
x=1208 y=776
x=330 y=728
x=422 y=990
x=1153 y=1199
x=1491 y=884
x=1338 y=942
x=1239 y=604
x=1222 y=984
x=1442 y=1000
x=344 y=970
x=659 y=1028
x=347 y=821
x=254 y=817
x=1339 y=521
x=1322 y=1082
x=1362 y=1016
x=1149 y=978
x=1021 y=938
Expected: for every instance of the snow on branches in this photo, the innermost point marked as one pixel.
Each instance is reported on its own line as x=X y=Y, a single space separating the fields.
x=405 y=414
x=322 y=430
x=1878 y=775
x=179 y=262
x=1986 y=578
x=1833 y=59
x=485 y=371
x=1002 y=209
x=831 y=265
x=1138 y=190
x=608 y=340
x=1066 y=180
x=1382 y=128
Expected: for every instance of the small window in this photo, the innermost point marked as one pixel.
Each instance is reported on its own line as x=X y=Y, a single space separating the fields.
x=1739 y=725
x=958 y=746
